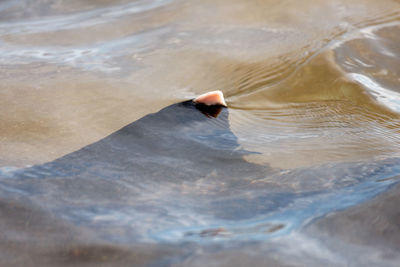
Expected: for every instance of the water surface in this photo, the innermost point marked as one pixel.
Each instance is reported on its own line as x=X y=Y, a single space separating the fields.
x=300 y=170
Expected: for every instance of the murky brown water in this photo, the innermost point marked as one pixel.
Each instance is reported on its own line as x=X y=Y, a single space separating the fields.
x=313 y=89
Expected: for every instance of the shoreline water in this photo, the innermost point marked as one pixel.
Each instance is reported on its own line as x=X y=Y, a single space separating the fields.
x=300 y=169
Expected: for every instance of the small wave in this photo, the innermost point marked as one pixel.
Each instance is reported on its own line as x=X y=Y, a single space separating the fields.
x=268 y=76
x=79 y=19
x=386 y=97
x=104 y=56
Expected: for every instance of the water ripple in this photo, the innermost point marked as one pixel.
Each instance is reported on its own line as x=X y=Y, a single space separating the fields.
x=80 y=19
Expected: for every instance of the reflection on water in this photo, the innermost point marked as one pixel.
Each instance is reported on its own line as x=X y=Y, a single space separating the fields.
x=305 y=159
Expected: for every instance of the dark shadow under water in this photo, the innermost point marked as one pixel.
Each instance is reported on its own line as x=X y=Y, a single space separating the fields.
x=156 y=190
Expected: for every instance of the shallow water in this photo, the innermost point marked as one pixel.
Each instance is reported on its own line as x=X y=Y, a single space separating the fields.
x=300 y=170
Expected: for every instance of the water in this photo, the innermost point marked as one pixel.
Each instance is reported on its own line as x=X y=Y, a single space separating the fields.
x=300 y=170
